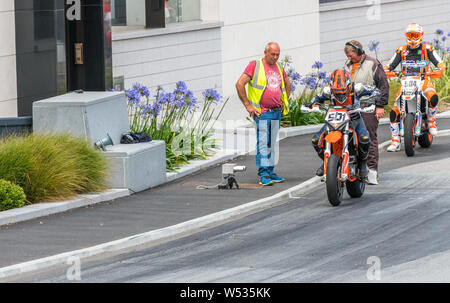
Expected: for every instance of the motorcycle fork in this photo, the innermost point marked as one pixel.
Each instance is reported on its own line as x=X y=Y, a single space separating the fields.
x=345 y=157
x=326 y=156
x=402 y=117
x=418 y=126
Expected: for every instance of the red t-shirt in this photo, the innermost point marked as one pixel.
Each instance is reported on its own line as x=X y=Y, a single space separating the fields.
x=271 y=96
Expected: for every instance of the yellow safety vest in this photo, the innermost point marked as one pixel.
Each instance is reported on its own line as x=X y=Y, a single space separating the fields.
x=258 y=84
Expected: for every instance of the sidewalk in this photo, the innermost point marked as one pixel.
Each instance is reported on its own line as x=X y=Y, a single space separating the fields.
x=165 y=211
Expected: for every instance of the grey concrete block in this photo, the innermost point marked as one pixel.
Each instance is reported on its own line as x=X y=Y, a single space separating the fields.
x=93 y=115
x=137 y=166
x=90 y=115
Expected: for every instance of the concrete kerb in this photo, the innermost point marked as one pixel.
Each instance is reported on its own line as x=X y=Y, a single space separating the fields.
x=44 y=209
x=168 y=232
x=171 y=231
x=164 y=233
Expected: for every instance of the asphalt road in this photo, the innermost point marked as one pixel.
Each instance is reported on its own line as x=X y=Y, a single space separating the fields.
x=397 y=232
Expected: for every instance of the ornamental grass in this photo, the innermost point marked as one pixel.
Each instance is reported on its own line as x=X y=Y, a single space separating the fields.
x=52 y=167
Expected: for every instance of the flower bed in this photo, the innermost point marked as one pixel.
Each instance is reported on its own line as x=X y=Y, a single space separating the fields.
x=177 y=118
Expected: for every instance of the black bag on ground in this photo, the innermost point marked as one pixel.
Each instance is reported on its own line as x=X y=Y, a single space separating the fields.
x=130 y=138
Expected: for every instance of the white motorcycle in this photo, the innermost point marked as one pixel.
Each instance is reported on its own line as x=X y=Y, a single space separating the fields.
x=413 y=108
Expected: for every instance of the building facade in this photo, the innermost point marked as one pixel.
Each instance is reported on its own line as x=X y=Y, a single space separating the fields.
x=49 y=47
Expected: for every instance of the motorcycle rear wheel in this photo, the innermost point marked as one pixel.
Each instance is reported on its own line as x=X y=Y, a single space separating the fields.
x=425 y=139
x=356 y=188
x=335 y=188
x=409 y=138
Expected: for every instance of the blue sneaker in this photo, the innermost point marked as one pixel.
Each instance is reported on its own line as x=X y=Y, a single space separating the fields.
x=265 y=180
x=276 y=179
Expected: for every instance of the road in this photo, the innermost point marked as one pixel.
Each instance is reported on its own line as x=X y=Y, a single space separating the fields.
x=397 y=232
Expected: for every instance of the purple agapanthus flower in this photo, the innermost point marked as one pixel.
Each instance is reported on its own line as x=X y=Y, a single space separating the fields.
x=212 y=95
x=317 y=65
x=181 y=87
x=145 y=91
x=373 y=45
x=133 y=96
x=310 y=82
x=439 y=32
x=189 y=99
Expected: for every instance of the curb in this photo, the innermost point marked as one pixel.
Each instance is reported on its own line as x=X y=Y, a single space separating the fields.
x=147 y=238
x=171 y=231
x=163 y=233
x=49 y=208
x=44 y=209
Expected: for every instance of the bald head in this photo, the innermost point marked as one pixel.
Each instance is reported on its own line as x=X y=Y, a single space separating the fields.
x=271 y=53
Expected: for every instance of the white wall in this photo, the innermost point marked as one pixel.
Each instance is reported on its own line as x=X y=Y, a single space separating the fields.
x=250 y=24
x=8 y=82
x=190 y=52
x=347 y=20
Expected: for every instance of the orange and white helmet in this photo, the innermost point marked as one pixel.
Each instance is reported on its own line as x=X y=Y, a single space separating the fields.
x=414 y=34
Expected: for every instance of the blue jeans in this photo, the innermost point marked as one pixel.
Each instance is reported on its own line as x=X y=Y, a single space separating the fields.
x=267 y=127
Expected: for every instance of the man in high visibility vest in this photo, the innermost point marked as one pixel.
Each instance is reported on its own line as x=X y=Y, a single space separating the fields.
x=268 y=94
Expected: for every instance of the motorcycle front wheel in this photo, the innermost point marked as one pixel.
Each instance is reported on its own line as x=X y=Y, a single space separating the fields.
x=409 y=138
x=335 y=188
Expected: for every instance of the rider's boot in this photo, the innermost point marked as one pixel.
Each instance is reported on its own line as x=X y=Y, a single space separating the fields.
x=320 y=152
x=364 y=155
x=395 y=139
x=363 y=169
x=432 y=121
x=320 y=170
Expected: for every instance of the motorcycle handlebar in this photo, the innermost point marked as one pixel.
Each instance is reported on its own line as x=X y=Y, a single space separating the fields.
x=317 y=109
x=433 y=74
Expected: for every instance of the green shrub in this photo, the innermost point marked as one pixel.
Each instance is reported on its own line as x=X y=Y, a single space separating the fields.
x=442 y=84
x=50 y=167
x=394 y=86
x=11 y=195
x=296 y=117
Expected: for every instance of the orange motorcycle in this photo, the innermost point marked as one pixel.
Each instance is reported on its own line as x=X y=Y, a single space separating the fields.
x=341 y=151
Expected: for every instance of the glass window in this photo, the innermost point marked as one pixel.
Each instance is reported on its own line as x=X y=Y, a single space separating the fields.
x=118 y=12
x=132 y=12
x=182 y=10
x=128 y=12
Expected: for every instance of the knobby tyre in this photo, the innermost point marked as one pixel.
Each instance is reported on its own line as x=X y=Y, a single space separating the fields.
x=335 y=188
x=356 y=188
x=425 y=140
x=409 y=138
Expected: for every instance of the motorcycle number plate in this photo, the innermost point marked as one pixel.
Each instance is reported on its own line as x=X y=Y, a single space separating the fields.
x=335 y=117
x=410 y=85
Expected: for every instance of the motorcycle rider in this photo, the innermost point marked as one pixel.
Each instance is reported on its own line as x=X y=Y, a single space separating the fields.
x=413 y=56
x=341 y=91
